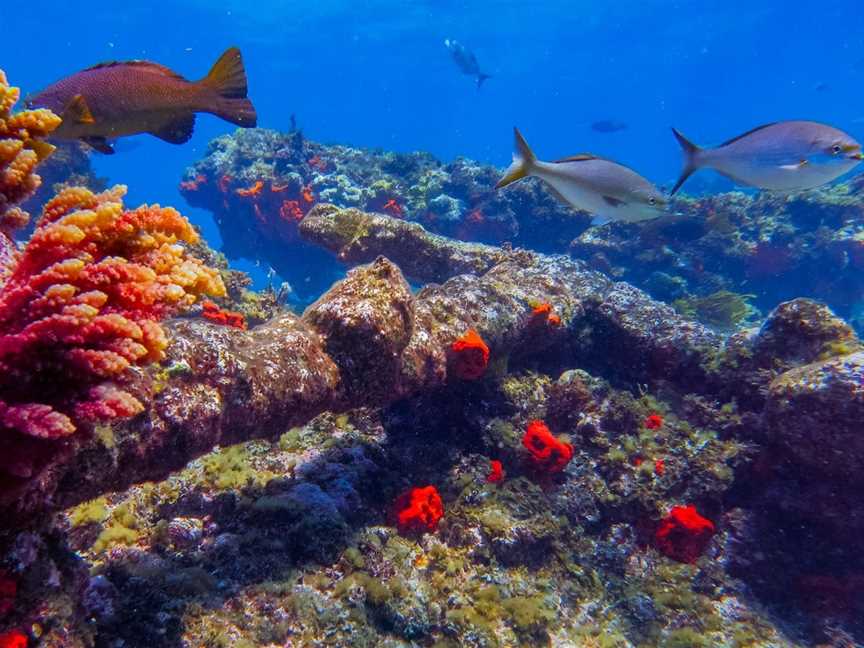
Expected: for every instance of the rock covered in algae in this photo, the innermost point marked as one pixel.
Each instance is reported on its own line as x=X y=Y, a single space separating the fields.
x=764 y=248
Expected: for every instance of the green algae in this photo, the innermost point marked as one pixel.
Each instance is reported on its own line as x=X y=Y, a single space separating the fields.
x=723 y=310
x=686 y=638
x=529 y=613
x=121 y=529
x=232 y=469
x=92 y=512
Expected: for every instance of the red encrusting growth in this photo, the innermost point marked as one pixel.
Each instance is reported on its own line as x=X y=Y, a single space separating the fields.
x=252 y=191
x=548 y=454
x=212 y=312
x=653 y=422
x=418 y=510
x=79 y=306
x=496 y=472
x=8 y=592
x=393 y=208
x=659 y=467
x=469 y=356
x=683 y=535
x=543 y=315
x=13 y=639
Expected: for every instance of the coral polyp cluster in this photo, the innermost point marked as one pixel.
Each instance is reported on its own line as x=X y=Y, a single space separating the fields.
x=21 y=149
x=81 y=304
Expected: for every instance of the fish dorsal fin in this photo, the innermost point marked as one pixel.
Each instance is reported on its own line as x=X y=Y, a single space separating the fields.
x=178 y=130
x=149 y=65
x=78 y=111
x=581 y=157
x=743 y=135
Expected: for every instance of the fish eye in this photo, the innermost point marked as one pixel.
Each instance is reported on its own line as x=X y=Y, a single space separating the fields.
x=652 y=201
x=837 y=148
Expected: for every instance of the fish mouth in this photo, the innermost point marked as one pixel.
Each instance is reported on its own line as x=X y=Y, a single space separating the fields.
x=856 y=156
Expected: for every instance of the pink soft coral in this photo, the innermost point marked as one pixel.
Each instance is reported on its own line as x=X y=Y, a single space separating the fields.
x=79 y=305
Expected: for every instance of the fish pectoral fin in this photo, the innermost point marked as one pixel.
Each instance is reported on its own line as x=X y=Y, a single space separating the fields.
x=613 y=202
x=794 y=167
x=99 y=144
x=178 y=130
x=78 y=111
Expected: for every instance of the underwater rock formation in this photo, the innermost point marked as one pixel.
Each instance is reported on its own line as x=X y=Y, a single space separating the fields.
x=367 y=341
x=294 y=529
x=721 y=258
x=259 y=184
x=764 y=248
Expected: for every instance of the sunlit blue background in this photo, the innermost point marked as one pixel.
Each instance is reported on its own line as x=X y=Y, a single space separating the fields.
x=376 y=73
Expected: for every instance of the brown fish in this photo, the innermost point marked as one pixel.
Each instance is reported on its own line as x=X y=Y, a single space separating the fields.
x=121 y=98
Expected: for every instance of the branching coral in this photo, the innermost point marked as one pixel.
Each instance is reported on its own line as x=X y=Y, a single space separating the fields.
x=20 y=151
x=79 y=307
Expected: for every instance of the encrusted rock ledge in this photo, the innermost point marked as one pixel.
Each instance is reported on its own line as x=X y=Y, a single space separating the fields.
x=369 y=342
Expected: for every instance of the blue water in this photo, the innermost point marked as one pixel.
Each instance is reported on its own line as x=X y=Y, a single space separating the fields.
x=376 y=73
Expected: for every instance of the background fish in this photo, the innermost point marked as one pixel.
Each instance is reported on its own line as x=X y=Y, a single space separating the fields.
x=783 y=156
x=590 y=183
x=608 y=126
x=465 y=60
x=115 y=99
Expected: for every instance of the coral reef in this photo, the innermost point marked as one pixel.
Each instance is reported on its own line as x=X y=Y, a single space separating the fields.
x=724 y=259
x=721 y=256
x=78 y=308
x=21 y=150
x=269 y=458
x=259 y=184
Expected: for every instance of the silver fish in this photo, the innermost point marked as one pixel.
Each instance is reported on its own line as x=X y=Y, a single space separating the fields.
x=783 y=156
x=590 y=183
x=465 y=60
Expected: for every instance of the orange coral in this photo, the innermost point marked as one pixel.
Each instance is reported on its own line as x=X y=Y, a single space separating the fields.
x=548 y=454
x=13 y=639
x=307 y=194
x=252 y=191
x=213 y=313
x=496 y=472
x=290 y=211
x=80 y=306
x=469 y=356
x=542 y=314
x=653 y=422
x=317 y=163
x=418 y=510
x=683 y=534
x=21 y=149
x=393 y=208
x=194 y=184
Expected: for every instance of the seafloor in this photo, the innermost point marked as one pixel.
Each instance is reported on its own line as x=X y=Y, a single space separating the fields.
x=741 y=395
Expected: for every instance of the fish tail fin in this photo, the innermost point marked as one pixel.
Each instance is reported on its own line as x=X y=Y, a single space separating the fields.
x=691 y=159
x=523 y=161
x=227 y=78
x=481 y=78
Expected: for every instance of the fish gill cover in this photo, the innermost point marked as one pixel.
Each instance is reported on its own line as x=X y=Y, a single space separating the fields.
x=356 y=395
